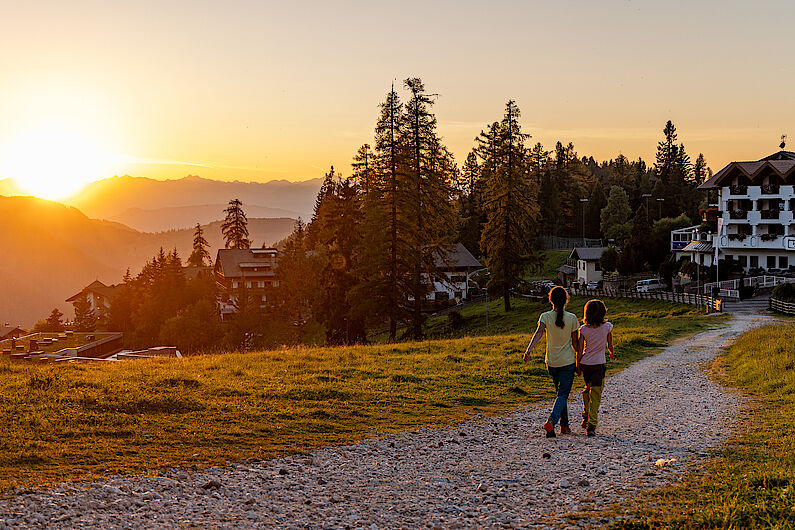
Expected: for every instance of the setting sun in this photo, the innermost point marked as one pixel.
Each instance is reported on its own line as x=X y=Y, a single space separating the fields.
x=53 y=162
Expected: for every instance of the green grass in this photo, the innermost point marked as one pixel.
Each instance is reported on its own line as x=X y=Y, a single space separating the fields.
x=65 y=421
x=552 y=260
x=751 y=482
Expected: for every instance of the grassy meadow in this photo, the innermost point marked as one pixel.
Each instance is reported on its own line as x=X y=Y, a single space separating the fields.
x=751 y=482
x=68 y=420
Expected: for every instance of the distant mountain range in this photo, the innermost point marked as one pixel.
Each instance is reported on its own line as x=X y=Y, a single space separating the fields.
x=49 y=251
x=176 y=217
x=120 y=198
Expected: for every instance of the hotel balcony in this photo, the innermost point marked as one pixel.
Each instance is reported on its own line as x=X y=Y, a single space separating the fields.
x=738 y=214
x=738 y=189
x=770 y=189
x=756 y=242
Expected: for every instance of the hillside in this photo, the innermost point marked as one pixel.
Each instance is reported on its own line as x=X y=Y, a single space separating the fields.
x=111 y=198
x=50 y=251
x=209 y=409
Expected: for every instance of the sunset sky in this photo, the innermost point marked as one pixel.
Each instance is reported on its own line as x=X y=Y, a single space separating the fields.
x=258 y=90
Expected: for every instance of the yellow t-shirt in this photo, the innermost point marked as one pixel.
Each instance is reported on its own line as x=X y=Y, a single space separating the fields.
x=559 y=350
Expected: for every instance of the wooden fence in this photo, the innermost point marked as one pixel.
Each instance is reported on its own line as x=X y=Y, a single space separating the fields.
x=788 y=308
x=707 y=302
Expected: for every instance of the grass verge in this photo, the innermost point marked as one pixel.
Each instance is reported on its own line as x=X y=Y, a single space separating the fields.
x=751 y=482
x=66 y=421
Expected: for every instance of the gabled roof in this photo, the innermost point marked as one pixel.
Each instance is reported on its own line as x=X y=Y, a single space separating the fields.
x=458 y=257
x=231 y=261
x=587 y=253
x=7 y=330
x=781 y=163
x=108 y=291
x=566 y=269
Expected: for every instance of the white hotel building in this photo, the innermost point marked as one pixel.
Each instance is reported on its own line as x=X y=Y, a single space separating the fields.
x=756 y=203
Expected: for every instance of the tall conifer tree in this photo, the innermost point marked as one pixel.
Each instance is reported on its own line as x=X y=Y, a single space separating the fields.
x=235 y=226
x=200 y=254
x=509 y=204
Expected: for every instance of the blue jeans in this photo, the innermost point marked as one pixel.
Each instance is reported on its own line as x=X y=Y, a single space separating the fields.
x=563 y=377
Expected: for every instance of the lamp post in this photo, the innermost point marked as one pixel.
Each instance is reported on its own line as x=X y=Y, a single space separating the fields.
x=583 y=201
x=646 y=196
x=660 y=200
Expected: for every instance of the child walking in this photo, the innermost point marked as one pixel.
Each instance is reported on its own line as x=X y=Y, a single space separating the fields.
x=560 y=327
x=595 y=336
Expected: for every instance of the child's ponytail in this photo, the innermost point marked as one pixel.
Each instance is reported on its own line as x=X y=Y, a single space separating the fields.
x=558 y=297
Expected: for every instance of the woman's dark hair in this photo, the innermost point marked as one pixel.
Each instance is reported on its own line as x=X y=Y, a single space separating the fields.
x=595 y=312
x=558 y=297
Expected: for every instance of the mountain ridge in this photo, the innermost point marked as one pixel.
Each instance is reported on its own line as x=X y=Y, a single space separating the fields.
x=110 y=198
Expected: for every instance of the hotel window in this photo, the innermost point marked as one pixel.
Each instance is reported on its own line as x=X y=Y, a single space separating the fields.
x=234 y=285
x=248 y=285
x=743 y=261
x=754 y=262
x=771 y=262
x=783 y=262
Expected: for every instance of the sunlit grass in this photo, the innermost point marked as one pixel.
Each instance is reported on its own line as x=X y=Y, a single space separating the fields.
x=751 y=482
x=65 y=421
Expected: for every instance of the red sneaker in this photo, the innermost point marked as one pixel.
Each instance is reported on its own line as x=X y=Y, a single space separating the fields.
x=549 y=427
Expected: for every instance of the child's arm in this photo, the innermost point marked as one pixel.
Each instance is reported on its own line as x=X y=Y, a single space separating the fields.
x=536 y=337
x=580 y=349
x=610 y=343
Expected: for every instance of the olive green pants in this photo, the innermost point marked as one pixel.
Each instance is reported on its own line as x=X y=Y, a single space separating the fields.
x=594 y=376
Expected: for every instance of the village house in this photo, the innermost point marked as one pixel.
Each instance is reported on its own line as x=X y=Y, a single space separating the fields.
x=582 y=266
x=455 y=271
x=99 y=297
x=756 y=202
x=251 y=270
x=10 y=332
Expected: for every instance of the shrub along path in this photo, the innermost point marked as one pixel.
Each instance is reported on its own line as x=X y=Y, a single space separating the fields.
x=660 y=415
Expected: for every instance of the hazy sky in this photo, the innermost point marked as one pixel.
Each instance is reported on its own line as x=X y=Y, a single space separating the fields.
x=258 y=90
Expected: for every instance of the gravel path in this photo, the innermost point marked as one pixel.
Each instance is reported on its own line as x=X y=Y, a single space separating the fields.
x=657 y=416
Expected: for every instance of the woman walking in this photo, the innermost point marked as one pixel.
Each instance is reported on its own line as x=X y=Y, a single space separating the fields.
x=561 y=359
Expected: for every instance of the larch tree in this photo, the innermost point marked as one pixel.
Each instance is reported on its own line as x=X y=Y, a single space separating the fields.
x=200 y=254
x=510 y=204
x=235 y=226
x=364 y=168
x=429 y=172
x=383 y=267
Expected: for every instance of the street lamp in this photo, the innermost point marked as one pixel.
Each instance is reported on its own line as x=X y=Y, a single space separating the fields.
x=660 y=201
x=583 y=201
x=646 y=196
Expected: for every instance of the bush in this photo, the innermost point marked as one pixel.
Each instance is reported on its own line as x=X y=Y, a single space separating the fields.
x=784 y=292
x=455 y=319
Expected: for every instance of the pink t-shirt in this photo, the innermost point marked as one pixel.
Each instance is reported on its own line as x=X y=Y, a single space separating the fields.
x=595 y=343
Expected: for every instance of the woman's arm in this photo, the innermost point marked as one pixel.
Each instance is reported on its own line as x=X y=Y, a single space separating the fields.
x=580 y=347
x=536 y=337
x=610 y=343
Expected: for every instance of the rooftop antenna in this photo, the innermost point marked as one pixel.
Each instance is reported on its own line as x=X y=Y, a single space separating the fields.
x=783 y=141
